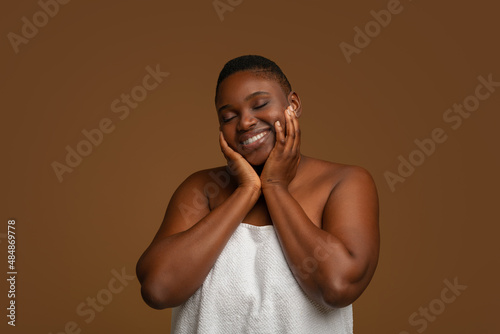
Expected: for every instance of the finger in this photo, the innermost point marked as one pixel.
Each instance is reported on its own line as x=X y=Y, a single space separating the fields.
x=296 y=142
x=290 y=130
x=226 y=150
x=229 y=154
x=222 y=142
x=280 y=134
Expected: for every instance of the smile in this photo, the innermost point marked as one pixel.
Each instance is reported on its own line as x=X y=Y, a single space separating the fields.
x=255 y=142
x=254 y=138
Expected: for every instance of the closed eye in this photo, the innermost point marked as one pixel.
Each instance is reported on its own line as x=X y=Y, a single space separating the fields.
x=261 y=106
x=225 y=120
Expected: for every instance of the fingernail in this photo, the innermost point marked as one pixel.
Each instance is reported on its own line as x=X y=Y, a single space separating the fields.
x=278 y=123
x=289 y=112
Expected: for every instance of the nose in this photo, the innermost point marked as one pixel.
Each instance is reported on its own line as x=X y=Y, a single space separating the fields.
x=247 y=121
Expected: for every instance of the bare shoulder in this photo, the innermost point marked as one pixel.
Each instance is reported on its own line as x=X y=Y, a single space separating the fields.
x=211 y=185
x=190 y=202
x=212 y=179
x=352 y=208
x=206 y=176
x=336 y=174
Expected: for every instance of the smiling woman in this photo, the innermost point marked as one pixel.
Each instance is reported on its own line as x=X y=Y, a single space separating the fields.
x=286 y=245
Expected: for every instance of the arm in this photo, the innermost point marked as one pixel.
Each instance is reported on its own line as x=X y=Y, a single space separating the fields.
x=179 y=258
x=333 y=265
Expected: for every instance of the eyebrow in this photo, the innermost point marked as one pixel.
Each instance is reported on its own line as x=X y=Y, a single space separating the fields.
x=260 y=92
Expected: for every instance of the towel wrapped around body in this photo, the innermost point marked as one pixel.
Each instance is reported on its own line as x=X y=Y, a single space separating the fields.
x=251 y=289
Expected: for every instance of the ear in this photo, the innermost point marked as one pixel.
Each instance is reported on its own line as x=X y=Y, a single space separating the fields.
x=294 y=101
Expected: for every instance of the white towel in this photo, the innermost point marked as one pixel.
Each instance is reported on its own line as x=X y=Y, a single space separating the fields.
x=251 y=289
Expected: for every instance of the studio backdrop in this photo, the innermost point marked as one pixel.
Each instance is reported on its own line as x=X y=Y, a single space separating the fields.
x=108 y=106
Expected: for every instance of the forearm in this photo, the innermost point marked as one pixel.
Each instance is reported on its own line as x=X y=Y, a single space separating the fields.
x=321 y=263
x=173 y=268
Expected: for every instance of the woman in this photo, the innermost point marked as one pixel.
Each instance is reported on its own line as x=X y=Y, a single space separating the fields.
x=274 y=242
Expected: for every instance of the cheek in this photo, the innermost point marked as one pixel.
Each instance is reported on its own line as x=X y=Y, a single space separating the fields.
x=277 y=115
x=283 y=124
x=229 y=136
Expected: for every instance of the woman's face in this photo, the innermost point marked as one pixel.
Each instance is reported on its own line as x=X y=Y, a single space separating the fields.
x=248 y=105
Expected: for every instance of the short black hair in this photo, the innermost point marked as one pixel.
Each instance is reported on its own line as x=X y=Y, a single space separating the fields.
x=258 y=65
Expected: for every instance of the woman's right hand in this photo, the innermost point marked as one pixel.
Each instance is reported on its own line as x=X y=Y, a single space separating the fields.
x=239 y=167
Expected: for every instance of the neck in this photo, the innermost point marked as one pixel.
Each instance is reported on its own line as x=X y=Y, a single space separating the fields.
x=258 y=168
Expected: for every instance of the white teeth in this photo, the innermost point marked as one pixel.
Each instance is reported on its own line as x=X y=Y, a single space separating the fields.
x=254 y=138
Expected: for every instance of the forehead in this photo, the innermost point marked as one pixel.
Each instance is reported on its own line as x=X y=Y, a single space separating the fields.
x=239 y=85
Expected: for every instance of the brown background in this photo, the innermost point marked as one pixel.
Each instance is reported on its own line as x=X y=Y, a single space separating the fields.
x=441 y=223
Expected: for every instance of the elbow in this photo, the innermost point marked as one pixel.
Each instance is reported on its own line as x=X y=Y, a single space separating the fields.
x=339 y=295
x=156 y=295
x=342 y=291
x=152 y=290
x=158 y=289
x=153 y=298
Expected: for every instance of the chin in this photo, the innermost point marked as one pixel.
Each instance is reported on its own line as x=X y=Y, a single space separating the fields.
x=257 y=158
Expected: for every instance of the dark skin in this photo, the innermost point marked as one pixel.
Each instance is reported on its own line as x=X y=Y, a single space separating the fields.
x=325 y=214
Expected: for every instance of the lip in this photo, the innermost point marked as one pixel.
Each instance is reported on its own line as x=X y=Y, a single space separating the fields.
x=255 y=144
x=248 y=135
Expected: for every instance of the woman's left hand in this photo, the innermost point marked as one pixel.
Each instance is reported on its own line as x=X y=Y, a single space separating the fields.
x=281 y=165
